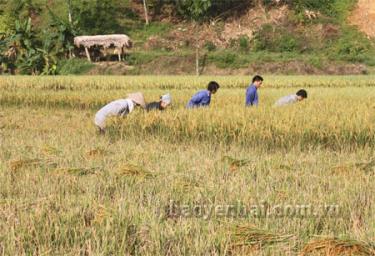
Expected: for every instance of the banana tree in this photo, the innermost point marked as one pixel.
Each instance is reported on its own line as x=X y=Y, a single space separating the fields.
x=65 y=32
x=38 y=61
x=32 y=56
x=23 y=38
x=18 y=44
x=48 y=53
x=30 y=62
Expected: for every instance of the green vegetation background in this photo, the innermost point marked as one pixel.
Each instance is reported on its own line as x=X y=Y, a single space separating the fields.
x=43 y=33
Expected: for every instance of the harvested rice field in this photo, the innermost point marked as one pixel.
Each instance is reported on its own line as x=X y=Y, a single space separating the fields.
x=223 y=180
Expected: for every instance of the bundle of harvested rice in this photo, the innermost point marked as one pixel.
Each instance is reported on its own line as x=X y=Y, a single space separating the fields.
x=96 y=152
x=18 y=164
x=250 y=236
x=186 y=184
x=234 y=164
x=337 y=247
x=365 y=166
x=134 y=170
x=79 y=171
x=49 y=150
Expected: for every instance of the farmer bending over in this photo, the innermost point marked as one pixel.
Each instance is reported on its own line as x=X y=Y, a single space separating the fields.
x=165 y=101
x=203 y=97
x=120 y=107
x=290 y=99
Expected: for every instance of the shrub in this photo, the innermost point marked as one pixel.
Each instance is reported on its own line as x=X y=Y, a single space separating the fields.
x=210 y=46
x=244 y=43
x=73 y=67
x=352 y=46
x=287 y=43
x=275 y=39
x=227 y=59
x=263 y=38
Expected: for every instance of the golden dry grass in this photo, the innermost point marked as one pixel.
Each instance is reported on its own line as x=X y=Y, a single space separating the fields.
x=65 y=190
x=337 y=247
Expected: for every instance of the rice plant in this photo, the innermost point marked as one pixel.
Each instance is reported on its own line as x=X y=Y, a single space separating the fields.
x=65 y=190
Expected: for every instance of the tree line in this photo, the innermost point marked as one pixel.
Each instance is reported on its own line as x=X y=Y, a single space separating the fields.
x=35 y=34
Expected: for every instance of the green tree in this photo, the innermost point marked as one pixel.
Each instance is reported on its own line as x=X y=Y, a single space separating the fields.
x=63 y=33
x=196 y=10
x=32 y=55
x=99 y=16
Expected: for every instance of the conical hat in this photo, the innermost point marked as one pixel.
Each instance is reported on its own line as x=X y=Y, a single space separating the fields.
x=138 y=98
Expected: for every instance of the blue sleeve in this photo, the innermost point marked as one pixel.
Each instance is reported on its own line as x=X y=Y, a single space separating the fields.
x=250 y=96
x=205 y=101
x=255 y=101
x=195 y=100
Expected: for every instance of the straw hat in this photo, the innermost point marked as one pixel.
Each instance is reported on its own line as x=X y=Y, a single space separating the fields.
x=138 y=98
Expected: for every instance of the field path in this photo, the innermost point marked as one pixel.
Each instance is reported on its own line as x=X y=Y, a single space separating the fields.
x=364 y=17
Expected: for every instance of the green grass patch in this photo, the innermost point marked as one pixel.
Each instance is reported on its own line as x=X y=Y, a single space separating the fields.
x=74 y=67
x=233 y=59
x=141 y=33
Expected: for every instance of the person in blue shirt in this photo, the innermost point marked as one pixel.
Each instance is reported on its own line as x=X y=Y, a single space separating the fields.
x=252 y=91
x=203 y=98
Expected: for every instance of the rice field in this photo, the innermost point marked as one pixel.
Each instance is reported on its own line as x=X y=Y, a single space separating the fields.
x=225 y=180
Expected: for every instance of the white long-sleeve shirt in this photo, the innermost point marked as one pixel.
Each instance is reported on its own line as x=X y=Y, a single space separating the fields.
x=120 y=107
x=290 y=99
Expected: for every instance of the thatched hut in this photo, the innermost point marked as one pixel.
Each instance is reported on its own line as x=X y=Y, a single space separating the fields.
x=117 y=42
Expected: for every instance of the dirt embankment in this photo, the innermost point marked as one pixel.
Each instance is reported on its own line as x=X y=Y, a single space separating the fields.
x=364 y=17
x=218 y=31
x=221 y=33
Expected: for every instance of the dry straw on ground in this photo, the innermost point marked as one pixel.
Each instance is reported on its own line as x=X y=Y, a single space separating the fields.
x=106 y=188
x=251 y=236
x=337 y=247
x=234 y=164
x=129 y=169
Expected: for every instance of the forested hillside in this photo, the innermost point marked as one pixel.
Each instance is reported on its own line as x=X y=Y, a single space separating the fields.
x=170 y=37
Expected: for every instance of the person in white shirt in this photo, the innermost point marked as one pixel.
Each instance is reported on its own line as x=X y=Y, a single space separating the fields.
x=121 y=107
x=290 y=99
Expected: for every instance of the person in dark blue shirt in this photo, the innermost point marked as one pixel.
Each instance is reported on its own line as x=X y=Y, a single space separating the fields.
x=203 y=98
x=252 y=91
x=165 y=101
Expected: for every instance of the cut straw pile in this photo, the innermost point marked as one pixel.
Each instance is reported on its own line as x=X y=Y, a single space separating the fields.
x=250 y=236
x=367 y=167
x=16 y=165
x=337 y=247
x=186 y=184
x=49 y=150
x=234 y=164
x=96 y=152
x=78 y=171
x=134 y=170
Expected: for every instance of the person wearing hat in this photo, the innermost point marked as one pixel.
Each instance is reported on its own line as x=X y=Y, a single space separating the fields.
x=165 y=101
x=293 y=98
x=121 y=107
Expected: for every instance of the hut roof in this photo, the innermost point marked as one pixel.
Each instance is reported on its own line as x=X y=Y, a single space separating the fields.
x=103 y=40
